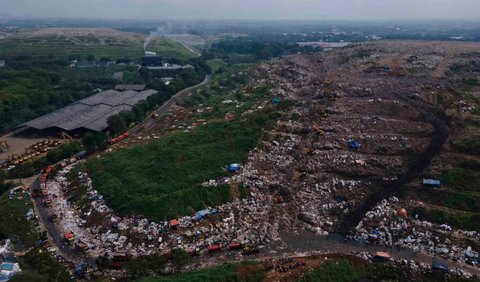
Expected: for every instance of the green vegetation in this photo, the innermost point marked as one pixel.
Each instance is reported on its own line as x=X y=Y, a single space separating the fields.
x=468 y=146
x=33 y=86
x=154 y=264
x=170 y=50
x=241 y=272
x=146 y=265
x=92 y=47
x=47 y=268
x=37 y=79
x=216 y=64
x=460 y=219
x=340 y=271
x=31 y=168
x=353 y=269
x=463 y=177
x=461 y=205
x=161 y=179
x=13 y=220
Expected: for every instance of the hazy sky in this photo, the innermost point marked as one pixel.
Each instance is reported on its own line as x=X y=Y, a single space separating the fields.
x=244 y=9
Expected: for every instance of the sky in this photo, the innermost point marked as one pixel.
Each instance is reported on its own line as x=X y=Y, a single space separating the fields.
x=244 y=9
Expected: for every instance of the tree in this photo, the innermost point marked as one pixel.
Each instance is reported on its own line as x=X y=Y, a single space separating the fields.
x=117 y=124
x=90 y=58
x=179 y=257
x=94 y=142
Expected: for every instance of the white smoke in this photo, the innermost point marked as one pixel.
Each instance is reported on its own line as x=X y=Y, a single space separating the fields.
x=156 y=33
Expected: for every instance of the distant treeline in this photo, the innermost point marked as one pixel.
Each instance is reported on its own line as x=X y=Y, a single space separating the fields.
x=255 y=47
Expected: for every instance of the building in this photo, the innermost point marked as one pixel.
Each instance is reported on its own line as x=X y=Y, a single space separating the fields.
x=92 y=113
x=166 y=80
x=2 y=63
x=150 y=54
x=118 y=76
x=134 y=87
x=170 y=67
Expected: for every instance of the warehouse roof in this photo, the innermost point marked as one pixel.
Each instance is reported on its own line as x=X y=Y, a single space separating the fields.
x=136 y=87
x=92 y=112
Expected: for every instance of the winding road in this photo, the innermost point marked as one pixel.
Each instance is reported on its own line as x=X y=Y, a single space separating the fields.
x=66 y=250
x=438 y=138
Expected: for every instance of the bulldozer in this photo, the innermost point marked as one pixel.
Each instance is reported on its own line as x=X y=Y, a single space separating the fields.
x=250 y=249
x=4 y=146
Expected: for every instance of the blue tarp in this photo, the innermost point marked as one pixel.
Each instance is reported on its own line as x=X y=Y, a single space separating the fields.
x=81 y=154
x=6 y=277
x=354 y=144
x=7 y=266
x=80 y=269
x=276 y=100
x=432 y=182
x=440 y=266
x=201 y=214
x=233 y=167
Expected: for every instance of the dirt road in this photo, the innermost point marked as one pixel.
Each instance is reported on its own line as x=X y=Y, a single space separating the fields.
x=149 y=122
x=67 y=251
x=438 y=138
x=294 y=245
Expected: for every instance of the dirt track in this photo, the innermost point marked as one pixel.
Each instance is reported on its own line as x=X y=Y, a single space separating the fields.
x=438 y=138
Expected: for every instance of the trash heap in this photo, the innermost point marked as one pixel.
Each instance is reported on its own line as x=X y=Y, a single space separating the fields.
x=390 y=224
x=9 y=266
x=111 y=234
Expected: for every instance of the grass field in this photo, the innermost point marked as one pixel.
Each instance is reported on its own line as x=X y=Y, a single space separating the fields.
x=354 y=269
x=13 y=220
x=216 y=64
x=161 y=179
x=113 y=48
x=241 y=272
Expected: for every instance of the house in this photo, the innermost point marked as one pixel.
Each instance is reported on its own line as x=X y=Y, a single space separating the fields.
x=150 y=54
x=166 y=80
x=118 y=76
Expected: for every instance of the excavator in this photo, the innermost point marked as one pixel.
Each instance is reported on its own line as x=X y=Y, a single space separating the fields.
x=4 y=146
x=67 y=138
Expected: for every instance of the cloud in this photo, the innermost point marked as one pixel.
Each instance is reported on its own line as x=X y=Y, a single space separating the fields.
x=245 y=9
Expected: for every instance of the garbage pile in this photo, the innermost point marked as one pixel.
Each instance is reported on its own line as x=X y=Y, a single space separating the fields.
x=9 y=266
x=232 y=222
x=390 y=224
